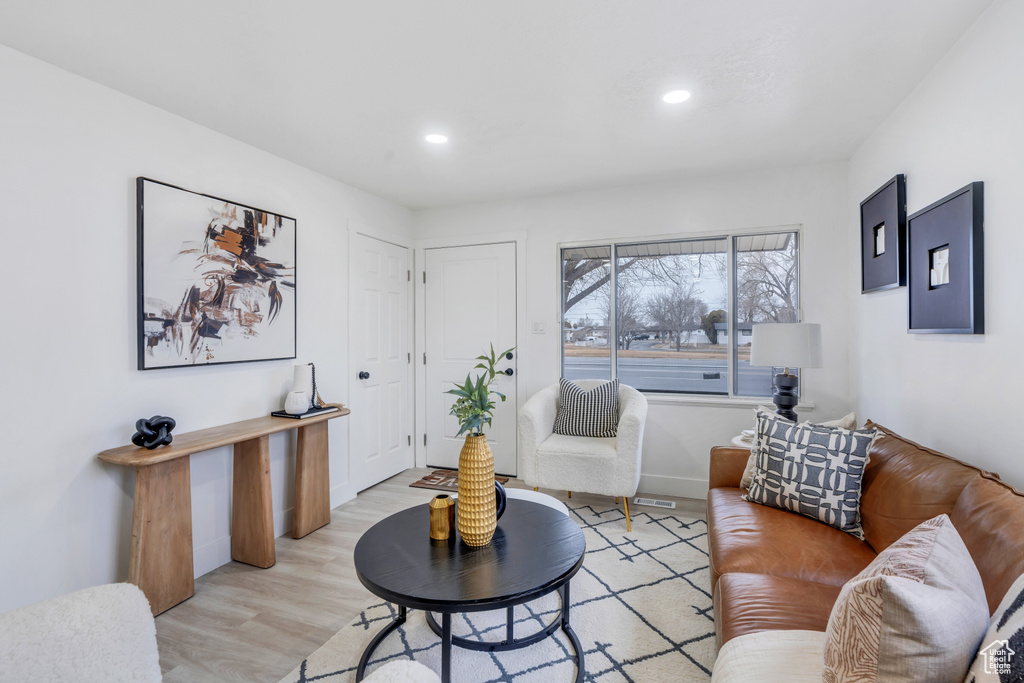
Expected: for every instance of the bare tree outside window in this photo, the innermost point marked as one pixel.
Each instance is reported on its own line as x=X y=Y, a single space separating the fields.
x=677 y=311
x=767 y=290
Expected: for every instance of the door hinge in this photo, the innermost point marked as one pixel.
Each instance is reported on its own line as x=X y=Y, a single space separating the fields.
x=424 y=439
x=409 y=357
x=424 y=357
x=424 y=277
x=408 y=276
x=410 y=439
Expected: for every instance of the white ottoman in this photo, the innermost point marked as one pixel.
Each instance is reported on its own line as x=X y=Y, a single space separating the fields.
x=532 y=496
x=404 y=671
x=537 y=497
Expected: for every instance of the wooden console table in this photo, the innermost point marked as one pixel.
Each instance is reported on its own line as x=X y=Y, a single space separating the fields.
x=161 y=549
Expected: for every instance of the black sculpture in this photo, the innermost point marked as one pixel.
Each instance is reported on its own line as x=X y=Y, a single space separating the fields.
x=156 y=431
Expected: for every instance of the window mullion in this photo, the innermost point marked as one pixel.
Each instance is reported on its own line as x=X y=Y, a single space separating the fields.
x=732 y=330
x=613 y=328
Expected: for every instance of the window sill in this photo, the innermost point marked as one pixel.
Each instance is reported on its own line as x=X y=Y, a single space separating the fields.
x=717 y=401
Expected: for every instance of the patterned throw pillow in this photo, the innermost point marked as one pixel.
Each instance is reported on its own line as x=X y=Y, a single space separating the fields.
x=1001 y=657
x=848 y=421
x=916 y=613
x=814 y=471
x=587 y=413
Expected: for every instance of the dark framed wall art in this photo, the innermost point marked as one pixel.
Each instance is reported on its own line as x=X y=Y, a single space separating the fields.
x=945 y=247
x=883 y=237
x=216 y=280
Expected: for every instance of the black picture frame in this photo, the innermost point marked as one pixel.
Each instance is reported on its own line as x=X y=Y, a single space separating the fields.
x=886 y=208
x=952 y=299
x=243 y=296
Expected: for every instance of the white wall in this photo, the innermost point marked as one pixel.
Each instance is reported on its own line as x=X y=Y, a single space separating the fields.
x=69 y=154
x=959 y=394
x=678 y=436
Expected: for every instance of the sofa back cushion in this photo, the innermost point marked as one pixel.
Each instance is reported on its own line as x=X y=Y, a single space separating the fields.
x=990 y=518
x=906 y=484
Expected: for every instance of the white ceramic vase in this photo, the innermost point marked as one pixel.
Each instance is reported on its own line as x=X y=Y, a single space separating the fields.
x=297 y=403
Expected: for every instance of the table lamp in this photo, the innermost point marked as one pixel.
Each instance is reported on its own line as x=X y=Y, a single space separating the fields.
x=786 y=345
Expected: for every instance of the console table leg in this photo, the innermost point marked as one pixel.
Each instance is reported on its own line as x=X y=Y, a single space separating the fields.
x=312 y=480
x=160 y=560
x=252 y=512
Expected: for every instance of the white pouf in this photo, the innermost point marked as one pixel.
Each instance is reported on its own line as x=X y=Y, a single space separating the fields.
x=405 y=671
x=533 y=497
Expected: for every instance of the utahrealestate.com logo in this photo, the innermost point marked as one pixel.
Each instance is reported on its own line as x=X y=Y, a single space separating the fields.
x=998 y=656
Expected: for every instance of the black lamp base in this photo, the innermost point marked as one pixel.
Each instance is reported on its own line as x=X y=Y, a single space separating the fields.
x=785 y=395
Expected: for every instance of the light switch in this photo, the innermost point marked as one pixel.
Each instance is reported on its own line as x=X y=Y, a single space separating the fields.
x=538 y=327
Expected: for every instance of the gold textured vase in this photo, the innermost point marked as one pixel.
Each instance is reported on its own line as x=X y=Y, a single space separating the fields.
x=442 y=517
x=477 y=509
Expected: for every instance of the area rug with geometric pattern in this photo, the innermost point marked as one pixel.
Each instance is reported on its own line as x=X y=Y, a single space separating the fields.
x=641 y=607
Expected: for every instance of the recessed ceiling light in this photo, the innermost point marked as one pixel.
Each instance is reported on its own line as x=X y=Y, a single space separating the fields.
x=676 y=96
x=437 y=139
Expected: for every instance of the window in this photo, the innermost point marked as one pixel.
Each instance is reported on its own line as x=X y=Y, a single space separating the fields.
x=681 y=316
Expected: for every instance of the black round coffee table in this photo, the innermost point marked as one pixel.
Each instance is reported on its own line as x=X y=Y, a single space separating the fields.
x=535 y=550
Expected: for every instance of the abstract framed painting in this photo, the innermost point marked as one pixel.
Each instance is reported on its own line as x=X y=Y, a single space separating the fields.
x=883 y=237
x=216 y=280
x=945 y=248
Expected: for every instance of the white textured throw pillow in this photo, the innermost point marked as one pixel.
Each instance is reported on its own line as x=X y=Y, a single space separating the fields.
x=1001 y=657
x=916 y=613
x=848 y=421
x=587 y=413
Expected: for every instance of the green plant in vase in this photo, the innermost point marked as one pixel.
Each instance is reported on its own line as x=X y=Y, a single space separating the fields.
x=481 y=499
x=475 y=407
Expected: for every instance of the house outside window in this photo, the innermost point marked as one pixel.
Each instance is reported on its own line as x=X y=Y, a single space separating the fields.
x=675 y=316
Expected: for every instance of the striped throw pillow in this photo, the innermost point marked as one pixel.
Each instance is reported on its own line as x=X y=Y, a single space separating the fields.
x=587 y=413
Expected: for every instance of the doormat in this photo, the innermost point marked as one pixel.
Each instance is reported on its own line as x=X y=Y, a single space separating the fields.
x=444 y=480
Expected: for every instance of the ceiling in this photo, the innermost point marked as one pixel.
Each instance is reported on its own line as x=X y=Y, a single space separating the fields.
x=536 y=96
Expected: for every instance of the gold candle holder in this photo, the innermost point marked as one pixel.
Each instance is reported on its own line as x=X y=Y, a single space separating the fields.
x=442 y=517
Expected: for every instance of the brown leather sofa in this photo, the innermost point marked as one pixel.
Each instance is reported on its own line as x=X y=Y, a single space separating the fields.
x=777 y=570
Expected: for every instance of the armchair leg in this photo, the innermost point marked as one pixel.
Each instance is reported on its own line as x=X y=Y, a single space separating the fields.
x=534 y=488
x=625 y=501
x=616 y=500
x=570 y=494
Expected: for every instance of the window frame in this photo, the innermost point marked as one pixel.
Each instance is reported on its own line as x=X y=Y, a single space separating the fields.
x=671 y=397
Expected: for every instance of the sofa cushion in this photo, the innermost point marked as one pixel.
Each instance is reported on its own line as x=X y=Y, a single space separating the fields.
x=1001 y=657
x=748 y=603
x=916 y=613
x=771 y=657
x=744 y=537
x=810 y=470
x=906 y=484
x=989 y=516
x=587 y=412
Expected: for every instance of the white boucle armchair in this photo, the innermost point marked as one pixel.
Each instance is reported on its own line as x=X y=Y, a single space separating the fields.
x=604 y=466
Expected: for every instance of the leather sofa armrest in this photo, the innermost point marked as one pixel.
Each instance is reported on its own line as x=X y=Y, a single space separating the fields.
x=727 y=466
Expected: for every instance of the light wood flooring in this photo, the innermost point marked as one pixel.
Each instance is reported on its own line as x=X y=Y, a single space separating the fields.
x=249 y=624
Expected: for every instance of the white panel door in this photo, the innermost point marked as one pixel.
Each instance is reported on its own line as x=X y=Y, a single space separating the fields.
x=470 y=297
x=380 y=426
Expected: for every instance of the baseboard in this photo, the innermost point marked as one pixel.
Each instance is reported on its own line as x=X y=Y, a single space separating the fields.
x=211 y=556
x=283 y=522
x=341 y=494
x=683 y=487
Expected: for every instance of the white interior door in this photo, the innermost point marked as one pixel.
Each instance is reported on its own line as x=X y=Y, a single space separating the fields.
x=380 y=428
x=470 y=303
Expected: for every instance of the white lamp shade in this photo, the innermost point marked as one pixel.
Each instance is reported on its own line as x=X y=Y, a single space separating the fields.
x=786 y=345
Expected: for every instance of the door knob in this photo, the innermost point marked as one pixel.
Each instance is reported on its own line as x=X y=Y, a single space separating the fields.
x=508 y=371
x=363 y=374
x=508 y=355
